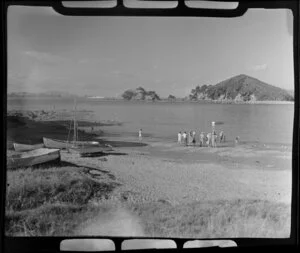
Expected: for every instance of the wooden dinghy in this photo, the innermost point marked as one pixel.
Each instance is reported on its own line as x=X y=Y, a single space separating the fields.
x=53 y=143
x=33 y=157
x=26 y=147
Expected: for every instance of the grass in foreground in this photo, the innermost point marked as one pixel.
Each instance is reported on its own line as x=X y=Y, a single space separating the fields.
x=57 y=201
x=220 y=219
x=50 y=201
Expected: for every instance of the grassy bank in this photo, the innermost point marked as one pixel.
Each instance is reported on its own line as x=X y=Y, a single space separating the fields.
x=52 y=200
x=240 y=218
x=57 y=200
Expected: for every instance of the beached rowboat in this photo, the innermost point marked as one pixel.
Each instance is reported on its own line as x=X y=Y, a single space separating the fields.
x=33 y=157
x=27 y=147
x=53 y=143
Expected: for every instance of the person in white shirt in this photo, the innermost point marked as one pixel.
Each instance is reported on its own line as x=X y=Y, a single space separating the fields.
x=140 y=134
x=201 y=139
x=208 y=142
x=184 y=135
x=179 y=138
x=214 y=139
x=190 y=137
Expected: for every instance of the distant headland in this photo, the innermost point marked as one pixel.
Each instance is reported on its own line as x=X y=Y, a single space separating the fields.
x=238 y=89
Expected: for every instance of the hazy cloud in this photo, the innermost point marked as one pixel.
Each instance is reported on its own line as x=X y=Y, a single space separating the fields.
x=83 y=61
x=15 y=81
x=44 y=57
x=36 y=76
x=95 y=60
x=15 y=76
x=123 y=74
x=260 y=67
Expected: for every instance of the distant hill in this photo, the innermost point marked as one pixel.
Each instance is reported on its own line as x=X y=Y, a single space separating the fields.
x=240 y=88
x=43 y=94
x=140 y=94
x=291 y=92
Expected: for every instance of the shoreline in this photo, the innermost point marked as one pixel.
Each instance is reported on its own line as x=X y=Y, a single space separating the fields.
x=182 y=100
x=29 y=127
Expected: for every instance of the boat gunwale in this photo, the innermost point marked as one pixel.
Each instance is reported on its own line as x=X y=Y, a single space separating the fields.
x=70 y=142
x=27 y=160
x=20 y=147
x=34 y=153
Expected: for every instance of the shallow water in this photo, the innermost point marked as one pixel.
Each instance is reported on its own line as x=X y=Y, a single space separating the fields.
x=252 y=123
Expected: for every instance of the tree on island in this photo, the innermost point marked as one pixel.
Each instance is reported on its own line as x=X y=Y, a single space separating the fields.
x=194 y=93
x=171 y=97
x=128 y=94
x=198 y=92
x=152 y=95
x=140 y=94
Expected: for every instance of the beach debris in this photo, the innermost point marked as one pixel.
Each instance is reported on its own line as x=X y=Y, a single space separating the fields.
x=163 y=201
x=104 y=159
x=95 y=172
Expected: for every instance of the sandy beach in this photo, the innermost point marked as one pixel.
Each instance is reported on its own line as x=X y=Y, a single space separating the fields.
x=179 y=174
x=167 y=176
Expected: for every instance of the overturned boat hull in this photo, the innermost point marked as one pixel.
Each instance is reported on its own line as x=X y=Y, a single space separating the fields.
x=33 y=157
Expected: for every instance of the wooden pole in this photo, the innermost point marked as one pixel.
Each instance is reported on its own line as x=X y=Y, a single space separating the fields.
x=75 y=130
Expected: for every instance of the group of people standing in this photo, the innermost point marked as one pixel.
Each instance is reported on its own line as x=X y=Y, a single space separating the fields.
x=205 y=139
x=208 y=140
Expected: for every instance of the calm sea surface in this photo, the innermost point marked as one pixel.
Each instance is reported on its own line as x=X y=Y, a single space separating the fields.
x=262 y=123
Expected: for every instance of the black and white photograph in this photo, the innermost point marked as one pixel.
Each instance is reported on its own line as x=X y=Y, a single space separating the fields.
x=149 y=126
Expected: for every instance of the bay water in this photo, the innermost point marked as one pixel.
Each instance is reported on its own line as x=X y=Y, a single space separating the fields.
x=263 y=123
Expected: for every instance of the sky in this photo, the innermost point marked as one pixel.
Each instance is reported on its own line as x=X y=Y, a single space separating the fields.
x=104 y=56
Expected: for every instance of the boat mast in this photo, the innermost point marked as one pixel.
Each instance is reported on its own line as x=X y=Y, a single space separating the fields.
x=75 y=130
